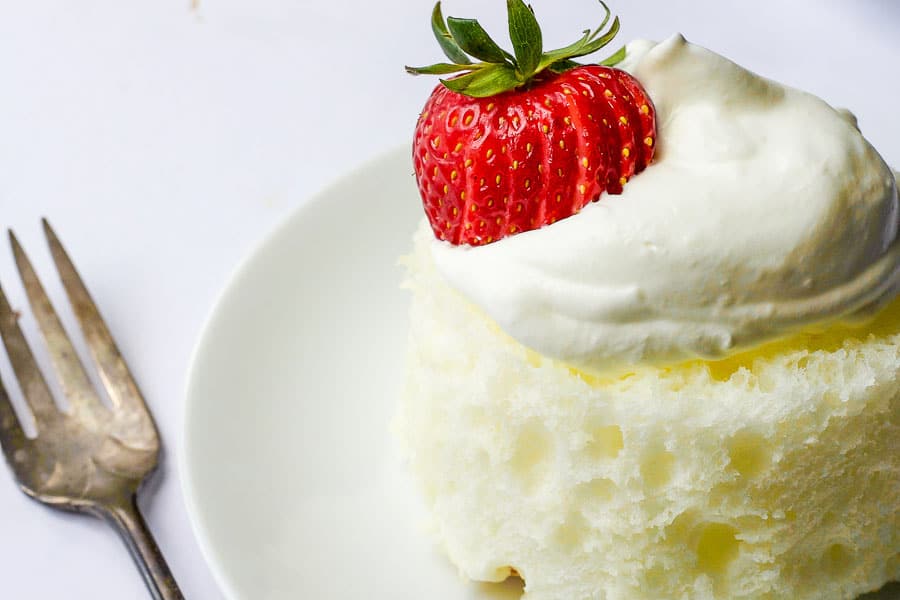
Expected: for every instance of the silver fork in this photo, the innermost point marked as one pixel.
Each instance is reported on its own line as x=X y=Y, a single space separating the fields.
x=88 y=458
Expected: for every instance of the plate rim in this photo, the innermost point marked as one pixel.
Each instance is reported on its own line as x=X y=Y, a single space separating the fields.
x=237 y=273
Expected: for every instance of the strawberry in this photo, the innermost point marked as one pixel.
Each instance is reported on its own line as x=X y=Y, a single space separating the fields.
x=517 y=142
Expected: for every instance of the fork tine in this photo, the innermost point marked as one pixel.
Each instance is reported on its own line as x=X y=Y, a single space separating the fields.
x=31 y=381
x=122 y=389
x=12 y=438
x=74 y=379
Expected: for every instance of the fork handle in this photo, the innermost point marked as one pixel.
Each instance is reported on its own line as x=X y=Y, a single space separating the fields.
x=126 y=518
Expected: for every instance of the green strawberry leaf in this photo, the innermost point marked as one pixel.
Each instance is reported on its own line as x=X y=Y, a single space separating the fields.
x=561 y=66
x=553 y=56
x=525 y=34
x=474 y=40
x=489 y=81
x=448 y=44
x=595 y=44
x=588 y=44
x=605 y=18
x=443 y=69
x=616 y=58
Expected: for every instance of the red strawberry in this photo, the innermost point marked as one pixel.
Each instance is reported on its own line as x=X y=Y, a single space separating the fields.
x=519 y=142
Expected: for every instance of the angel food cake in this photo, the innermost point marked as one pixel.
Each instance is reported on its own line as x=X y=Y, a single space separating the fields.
x=654 y=336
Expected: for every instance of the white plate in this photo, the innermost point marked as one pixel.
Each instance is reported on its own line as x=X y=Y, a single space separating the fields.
x=290 y=473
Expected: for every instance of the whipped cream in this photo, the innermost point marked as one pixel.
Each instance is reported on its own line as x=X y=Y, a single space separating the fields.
x=765 y=210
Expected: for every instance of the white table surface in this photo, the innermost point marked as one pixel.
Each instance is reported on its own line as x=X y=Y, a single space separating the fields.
x=164 y=140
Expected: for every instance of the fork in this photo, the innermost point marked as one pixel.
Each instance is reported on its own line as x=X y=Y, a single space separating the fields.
x=87 y=458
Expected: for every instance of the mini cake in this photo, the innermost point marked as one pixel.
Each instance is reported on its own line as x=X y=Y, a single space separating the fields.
x=654 y=336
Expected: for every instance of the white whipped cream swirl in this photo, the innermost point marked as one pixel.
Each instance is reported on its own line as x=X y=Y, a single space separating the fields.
x=765 y=210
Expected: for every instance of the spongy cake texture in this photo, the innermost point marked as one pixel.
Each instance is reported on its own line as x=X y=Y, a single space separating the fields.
x=776 y=475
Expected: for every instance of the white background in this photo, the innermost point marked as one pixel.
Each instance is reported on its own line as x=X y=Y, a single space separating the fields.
x=163 y=140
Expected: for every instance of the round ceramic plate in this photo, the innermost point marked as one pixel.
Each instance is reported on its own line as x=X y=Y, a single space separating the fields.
x=290 y=472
